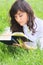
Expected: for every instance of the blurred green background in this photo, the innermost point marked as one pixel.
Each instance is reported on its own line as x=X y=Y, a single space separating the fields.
x=10 y=55
x=5 y=5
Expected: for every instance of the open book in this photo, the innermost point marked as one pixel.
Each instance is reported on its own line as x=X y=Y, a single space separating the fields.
x=14 y=37
x=20 y=35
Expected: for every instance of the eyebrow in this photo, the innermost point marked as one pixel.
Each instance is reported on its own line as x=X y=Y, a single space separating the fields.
x=18 y=14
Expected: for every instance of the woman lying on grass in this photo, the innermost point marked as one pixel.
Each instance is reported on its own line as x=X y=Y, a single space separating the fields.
x=23 y=20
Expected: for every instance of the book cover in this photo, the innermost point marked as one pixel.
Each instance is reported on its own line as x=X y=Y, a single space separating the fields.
x=14 y=37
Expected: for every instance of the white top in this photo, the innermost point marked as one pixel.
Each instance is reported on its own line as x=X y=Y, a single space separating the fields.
x=38 y=36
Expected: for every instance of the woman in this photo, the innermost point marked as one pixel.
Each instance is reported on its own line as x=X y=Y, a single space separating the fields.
x=23 y=20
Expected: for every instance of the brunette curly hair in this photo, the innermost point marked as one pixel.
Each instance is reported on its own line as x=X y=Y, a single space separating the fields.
x=21 y=5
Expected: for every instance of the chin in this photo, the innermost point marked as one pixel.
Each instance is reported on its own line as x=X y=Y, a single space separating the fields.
x=21 y=24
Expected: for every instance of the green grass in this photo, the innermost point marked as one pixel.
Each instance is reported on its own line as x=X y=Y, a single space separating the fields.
x=10 y=55
x=4 y=14
x=37 y=6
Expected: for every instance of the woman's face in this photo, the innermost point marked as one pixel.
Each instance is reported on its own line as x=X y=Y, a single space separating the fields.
x=21 y=17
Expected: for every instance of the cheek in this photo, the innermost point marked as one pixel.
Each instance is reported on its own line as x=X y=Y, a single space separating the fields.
x=25 y=18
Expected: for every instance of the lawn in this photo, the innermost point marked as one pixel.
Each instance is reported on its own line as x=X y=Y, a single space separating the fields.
x=10 y=55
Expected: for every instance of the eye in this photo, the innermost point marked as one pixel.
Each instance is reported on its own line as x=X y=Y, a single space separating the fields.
x=21 y=15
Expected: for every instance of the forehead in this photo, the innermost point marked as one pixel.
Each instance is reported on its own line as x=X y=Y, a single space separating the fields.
x=19 y=12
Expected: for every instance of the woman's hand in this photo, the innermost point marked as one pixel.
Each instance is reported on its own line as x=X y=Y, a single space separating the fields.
x=24 y=45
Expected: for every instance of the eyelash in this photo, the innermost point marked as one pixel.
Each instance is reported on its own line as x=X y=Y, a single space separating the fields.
x=21 y=15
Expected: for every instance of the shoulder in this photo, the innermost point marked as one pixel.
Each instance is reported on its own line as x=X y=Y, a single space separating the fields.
x=39 y=22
